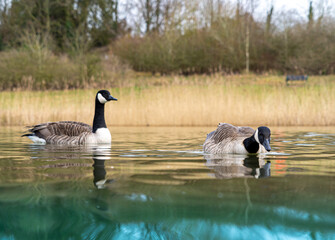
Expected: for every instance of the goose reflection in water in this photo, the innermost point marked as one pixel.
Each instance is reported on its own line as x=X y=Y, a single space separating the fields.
x=56 y=154
x=99 y=171
x=238 y=166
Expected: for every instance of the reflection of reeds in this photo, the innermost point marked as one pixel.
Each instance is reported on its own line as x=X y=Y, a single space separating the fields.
x=181 y=101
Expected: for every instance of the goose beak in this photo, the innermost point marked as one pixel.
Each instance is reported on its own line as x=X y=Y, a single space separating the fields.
x=112 y=98
x=266 y=144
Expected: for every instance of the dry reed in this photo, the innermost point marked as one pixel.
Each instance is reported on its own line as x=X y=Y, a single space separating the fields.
x=200 y=101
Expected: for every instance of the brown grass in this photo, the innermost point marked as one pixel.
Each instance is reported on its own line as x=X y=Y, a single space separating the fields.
x=182 y=101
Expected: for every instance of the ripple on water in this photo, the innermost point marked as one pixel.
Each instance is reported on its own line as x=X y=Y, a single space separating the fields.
x=158 y=182
x=305 y=144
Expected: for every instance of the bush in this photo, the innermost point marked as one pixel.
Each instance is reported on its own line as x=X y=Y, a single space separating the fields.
x=298 y=48
x=38 y=69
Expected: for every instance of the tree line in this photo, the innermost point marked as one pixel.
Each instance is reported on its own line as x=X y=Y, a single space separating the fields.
x=174 y=36
x=206 y=36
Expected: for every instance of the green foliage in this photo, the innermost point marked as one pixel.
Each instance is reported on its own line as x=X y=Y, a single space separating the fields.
x=93 y=22
x=157 y=36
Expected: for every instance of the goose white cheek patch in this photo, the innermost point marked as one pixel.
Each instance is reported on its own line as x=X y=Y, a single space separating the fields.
x=101 y=98
x=256 y=136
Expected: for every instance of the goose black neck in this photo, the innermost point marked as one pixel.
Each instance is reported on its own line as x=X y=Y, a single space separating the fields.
x=251 y=145
x=99 y=116
x=99 y=171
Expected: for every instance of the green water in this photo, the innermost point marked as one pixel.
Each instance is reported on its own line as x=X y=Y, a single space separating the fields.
x=156 y=183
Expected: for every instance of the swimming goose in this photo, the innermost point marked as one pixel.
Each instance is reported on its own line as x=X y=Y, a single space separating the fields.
x=231 y=139
x=75 y=133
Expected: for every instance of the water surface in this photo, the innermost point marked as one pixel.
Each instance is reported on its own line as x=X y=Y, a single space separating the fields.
x=156 y=183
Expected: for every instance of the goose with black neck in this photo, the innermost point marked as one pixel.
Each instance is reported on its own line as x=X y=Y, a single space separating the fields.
x=242 y=140
x=76 y=133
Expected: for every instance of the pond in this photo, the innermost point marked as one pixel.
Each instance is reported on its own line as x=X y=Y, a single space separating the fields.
x=156 y=183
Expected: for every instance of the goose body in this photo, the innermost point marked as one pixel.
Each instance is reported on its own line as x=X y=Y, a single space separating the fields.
x=241 y=140
x=75 y=133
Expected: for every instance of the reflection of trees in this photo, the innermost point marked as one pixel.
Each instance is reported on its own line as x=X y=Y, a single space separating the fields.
x=238 y=166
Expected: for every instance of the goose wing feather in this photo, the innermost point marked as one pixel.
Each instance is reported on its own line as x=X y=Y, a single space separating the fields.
x=228 y=131
x=62 y=128
x=69 y=128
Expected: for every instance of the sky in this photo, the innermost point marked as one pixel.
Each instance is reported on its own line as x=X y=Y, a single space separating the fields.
x=284 y=10
x=299 y=6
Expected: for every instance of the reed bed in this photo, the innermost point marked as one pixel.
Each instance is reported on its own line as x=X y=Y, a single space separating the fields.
x=196 y=101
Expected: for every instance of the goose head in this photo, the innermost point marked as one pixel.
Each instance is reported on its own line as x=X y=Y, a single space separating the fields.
x=104 y=96
x=263 y=136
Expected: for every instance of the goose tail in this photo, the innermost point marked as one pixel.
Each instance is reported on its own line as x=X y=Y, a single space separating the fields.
x=34 y=138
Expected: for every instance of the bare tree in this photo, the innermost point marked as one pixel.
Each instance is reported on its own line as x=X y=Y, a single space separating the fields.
x=148 y=16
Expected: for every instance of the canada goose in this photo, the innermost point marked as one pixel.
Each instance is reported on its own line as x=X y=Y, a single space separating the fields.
x=75 y=133
x=230 y=139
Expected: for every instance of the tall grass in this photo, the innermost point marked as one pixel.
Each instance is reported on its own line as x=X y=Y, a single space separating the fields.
x=196 y=101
